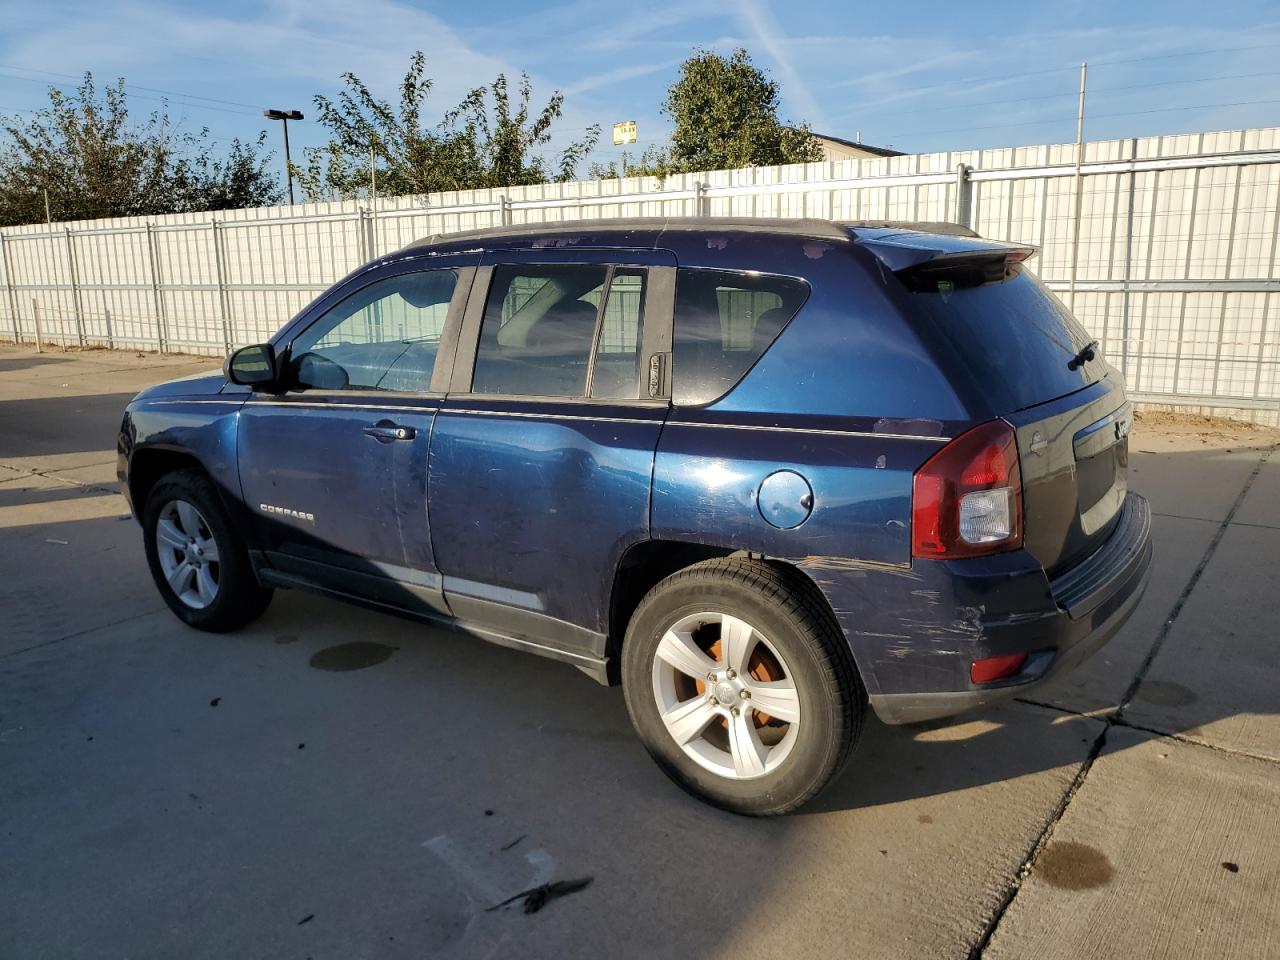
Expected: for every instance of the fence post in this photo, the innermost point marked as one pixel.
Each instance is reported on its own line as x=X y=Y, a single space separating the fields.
x=156 y=293
x=35 y=316
x=1126 y=304
x=700 y=198
x=75 y=284
x=964 y=195
x=1078 y=199
x=223 y=308
x=370 y=233
x=505 y=210
x=8 y=282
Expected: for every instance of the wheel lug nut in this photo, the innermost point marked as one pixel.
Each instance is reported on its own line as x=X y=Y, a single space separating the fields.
x=736 y=711
x=711 y=675
x=745 y=694
x=732 y=674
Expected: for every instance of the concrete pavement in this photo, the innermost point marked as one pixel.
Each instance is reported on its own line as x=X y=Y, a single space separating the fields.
x=280 y=792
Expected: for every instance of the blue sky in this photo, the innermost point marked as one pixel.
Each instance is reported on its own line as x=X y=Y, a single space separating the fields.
x=919 y=76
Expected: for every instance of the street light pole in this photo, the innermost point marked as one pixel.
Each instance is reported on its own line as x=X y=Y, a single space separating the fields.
x=285 y=116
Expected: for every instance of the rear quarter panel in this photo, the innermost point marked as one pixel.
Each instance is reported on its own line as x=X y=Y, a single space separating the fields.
x=849 y=398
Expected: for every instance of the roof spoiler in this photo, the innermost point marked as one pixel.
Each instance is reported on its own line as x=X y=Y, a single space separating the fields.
x=927 y=261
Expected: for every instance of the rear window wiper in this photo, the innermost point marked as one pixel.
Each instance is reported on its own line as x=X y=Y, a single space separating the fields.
x=1087 y=353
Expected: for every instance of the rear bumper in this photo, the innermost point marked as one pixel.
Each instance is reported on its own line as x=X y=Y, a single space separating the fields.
x=929 y=624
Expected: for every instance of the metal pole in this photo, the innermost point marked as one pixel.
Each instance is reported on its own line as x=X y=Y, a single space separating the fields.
x=223 y=308
x=13 y=297
x=156 y=292
x=1075 y=215
x=288 y=167
x=35 y=315
x=75 y=285
x=373 y=178
x=47 y=219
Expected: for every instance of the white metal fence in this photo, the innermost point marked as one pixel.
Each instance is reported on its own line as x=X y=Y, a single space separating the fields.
x=1174 y=262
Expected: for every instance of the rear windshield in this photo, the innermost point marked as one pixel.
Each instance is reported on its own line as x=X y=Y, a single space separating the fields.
x=1013 y=336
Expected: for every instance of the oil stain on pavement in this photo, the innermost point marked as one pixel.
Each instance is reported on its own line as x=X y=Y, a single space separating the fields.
x=1163 y=693
x=1073 y=866
x=351 y=656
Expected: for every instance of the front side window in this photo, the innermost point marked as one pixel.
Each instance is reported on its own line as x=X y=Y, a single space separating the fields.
x=724 y=321
x=539 y=329
x=382 y=337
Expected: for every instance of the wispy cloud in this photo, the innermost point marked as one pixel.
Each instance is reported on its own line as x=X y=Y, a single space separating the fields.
x=765 y=30
x=610 y=77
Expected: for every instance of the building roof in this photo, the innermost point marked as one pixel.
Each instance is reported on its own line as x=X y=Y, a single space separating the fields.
x=859 y=145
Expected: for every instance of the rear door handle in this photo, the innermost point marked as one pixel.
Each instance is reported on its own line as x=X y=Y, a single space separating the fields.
x=385 y=431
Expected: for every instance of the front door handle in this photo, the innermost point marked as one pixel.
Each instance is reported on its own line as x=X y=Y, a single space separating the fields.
x=385 y=431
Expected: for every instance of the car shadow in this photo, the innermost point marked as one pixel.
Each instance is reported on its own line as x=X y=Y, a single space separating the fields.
x=51 y=426
x=281 y=748
x=13 y=364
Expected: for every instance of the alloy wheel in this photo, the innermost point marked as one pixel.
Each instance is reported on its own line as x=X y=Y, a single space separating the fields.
x=188 y=554
x=725 y=695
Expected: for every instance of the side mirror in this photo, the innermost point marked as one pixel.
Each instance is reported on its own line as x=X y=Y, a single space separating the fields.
x=253 y=366
x=318 y=372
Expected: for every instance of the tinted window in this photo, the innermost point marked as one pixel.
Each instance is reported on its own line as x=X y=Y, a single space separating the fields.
x=1013 y=335
x=724 y=321
x=615 y=375
x=382 y=337
x=538 y=331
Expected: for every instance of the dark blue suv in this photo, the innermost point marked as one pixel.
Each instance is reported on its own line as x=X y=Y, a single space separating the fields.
x=761 y=472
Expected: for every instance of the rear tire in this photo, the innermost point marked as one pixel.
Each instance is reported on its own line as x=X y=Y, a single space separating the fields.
x=199 y=564
x=708 y=651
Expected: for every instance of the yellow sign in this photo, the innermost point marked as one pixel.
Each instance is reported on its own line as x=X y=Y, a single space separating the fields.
x=624 y=132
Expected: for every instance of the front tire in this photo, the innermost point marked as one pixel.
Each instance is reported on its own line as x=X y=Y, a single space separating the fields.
x=199 y=565
x=741 y=686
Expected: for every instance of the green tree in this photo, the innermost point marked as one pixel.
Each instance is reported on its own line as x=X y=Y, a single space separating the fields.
x=490 y=139
x=725 y=112
x=83 y=152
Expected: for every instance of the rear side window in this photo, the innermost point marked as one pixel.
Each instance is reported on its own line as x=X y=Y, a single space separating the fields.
x=724 y=321
x=538 y=331
x=1014 y=337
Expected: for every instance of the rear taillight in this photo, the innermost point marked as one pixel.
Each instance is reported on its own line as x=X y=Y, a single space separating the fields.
x=966 y=501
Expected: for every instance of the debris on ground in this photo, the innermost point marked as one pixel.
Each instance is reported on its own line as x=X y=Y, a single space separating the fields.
x=538 y=897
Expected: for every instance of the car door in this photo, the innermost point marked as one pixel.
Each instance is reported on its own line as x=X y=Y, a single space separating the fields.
x=542 y=454
x=336 y=466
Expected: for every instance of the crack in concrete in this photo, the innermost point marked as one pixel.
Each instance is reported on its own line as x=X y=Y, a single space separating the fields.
x=1114 y=719
x=52 y=474
x=81 y=633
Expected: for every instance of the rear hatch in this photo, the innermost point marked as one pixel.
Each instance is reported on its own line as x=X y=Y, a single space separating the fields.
x=1013 y=349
